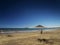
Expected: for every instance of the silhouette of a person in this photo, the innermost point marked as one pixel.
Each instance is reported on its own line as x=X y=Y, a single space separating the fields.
x=41 y=31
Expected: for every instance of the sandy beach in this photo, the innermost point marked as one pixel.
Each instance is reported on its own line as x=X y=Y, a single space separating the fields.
x=31 y=38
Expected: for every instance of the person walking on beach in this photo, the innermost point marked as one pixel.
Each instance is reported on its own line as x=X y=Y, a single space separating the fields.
x=41 y=31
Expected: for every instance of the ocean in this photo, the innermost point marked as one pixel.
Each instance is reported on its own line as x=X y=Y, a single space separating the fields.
x=11 y=30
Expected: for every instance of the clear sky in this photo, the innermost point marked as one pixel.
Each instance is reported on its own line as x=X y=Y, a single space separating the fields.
x=29 y=13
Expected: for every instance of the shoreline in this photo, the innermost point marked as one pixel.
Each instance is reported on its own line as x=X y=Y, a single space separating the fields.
x=22 y=31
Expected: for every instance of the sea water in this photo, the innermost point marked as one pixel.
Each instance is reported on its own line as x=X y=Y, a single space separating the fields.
x=12 y=30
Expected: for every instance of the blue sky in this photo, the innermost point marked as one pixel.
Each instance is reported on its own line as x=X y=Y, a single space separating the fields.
x=29 y=13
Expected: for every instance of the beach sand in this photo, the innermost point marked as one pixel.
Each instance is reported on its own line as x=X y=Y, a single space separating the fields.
x=31 y=38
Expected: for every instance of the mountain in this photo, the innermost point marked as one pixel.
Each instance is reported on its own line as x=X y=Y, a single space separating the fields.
x=39 y=26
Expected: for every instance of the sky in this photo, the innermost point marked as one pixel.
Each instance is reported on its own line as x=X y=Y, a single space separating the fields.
x=29 y=13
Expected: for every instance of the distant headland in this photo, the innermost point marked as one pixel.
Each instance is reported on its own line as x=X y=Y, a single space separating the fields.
x=39 y=26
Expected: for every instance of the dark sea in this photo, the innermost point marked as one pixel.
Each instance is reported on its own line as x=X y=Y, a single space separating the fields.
x=11 y=30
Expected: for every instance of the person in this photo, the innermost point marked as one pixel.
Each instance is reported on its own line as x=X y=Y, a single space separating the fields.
x=41 y=31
